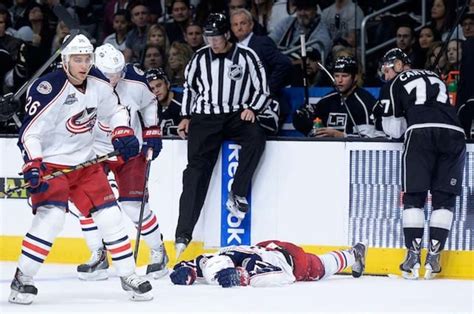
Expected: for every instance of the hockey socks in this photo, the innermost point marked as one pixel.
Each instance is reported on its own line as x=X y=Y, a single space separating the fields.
x=336 y=261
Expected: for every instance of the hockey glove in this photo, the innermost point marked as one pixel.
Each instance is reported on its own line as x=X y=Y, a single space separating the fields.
x=183 y=275
x=32 y=173
x=125 y=142
x=230 y=277
x=152 y=139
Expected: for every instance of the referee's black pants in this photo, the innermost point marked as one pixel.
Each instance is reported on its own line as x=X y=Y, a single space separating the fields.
x=205 y=136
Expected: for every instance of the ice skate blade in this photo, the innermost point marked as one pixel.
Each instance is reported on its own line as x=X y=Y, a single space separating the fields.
x=179 y=248
x=414 y=275
x=234 y=210
x=100 y=274
x=21 y=298
x=139 y=297
x=429 y=274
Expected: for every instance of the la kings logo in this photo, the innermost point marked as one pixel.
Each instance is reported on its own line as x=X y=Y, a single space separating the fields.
x=337 y=120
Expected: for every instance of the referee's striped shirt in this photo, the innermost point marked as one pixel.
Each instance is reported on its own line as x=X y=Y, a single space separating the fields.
x=225 y=83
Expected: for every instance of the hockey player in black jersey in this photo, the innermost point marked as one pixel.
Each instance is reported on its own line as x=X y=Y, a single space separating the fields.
x=416 y=105
x=338 y=119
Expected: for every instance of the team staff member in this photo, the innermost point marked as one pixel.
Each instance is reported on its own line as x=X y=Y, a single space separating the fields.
x=334 y=115
x=416 y=103
x=225 y=88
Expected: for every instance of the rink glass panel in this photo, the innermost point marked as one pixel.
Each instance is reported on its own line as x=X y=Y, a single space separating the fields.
x=375 y=209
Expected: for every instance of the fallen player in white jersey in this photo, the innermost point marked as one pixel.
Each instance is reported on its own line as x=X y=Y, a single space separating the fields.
x=269 y=263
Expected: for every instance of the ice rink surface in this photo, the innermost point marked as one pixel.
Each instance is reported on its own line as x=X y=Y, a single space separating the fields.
x=60 y=291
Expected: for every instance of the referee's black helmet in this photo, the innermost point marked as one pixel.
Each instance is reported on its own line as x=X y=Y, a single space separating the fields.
x=216 y=24
x=346 y=65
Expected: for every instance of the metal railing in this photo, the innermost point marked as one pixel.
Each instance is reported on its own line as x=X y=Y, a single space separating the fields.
x=363 y=34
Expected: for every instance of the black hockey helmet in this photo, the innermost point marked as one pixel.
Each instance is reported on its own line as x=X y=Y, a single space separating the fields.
x=156 y=74
x=216 y=24
x=395 y=54
x=346 y=65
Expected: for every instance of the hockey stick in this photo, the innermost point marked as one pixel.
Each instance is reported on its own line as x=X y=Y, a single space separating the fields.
x=343 y=101
x=61 y=172
x=305 y=72
x=148 y=159
x=64 y=16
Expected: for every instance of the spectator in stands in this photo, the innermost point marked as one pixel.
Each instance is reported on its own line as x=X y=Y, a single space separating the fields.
x=314 y=74
x=205 y=7
x=157 y=37
x=193 y=36
x=245 y=4
x=111 y=8
x=281 y=9
x=261 y=11
x=431 y=55
x=152 y=58
x=343 y=19
x=181 y=13
x=179 y=56
x=18 y=13
x=337 y=119
x=287 y=33
x=61 y=32
x=6 y=64
x=8 y=43
x=454 y=54
x=443 y=17
x=426 y=36
x=121 y=23
x=169 y=101
x=406 y=42
x=136 y=38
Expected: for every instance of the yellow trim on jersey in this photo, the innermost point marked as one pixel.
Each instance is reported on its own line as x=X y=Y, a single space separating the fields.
x=380 y=261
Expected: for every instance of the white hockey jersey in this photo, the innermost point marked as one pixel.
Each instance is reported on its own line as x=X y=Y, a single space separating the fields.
x=59 y=119
x=135 y=95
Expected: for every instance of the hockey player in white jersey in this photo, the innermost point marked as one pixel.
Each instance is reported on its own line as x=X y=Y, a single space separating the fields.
x=267 y=264
x=61 y=110
x=132 y=89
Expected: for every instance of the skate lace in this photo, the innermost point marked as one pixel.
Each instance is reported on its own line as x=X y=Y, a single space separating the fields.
x=133 y=280
x=158 y=255
x=96 y=256
x=25 y=279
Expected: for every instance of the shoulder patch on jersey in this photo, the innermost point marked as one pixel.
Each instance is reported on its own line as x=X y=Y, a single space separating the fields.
x=44 y=87
x=138 y=70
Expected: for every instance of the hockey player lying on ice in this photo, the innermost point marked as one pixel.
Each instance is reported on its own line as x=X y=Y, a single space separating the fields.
x=266 y=264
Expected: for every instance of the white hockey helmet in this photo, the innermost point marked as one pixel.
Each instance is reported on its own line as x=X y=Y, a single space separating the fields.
x=214 y=265
x=108 y=59
x=79 y=45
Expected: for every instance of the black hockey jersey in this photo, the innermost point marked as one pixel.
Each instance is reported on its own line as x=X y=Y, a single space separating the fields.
x=420 y=96
x=171 y=115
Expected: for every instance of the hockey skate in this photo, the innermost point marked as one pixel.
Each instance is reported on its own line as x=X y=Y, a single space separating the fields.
x=360 y=252
x=180 y=245
x=23 y=289
x=432 y=264
x=411 y=265
x=237 y=205
x=159 y=259
x=95 y=268
x=138 y=288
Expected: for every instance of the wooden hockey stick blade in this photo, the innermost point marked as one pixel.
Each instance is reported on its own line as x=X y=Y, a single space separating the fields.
x=61 y=172
x=64 y=16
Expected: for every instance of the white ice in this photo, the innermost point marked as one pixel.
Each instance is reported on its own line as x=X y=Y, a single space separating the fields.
x=59 y=290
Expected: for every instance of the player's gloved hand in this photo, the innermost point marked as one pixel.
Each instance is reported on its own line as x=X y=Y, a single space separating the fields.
x=32 y=173
x=152 y=139
x=183 y=275
x=231 y=277
x=125 y=142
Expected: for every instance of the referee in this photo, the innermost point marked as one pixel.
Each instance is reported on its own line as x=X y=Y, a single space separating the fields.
x=225 y=89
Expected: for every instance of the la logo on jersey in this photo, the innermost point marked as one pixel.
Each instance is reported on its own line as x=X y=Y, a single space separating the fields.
x=82 y=122
x=337 y=120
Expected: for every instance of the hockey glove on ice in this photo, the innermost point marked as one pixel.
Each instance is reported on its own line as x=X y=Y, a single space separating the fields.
x=183 y=275
x=125 y=142
x=152 y=139
x=230 y=277
x=32 y=173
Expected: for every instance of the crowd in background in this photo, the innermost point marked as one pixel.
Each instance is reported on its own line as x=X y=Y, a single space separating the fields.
x=165 y=34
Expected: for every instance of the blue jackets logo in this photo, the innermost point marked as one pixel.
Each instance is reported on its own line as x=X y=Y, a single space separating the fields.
x=233 y=230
